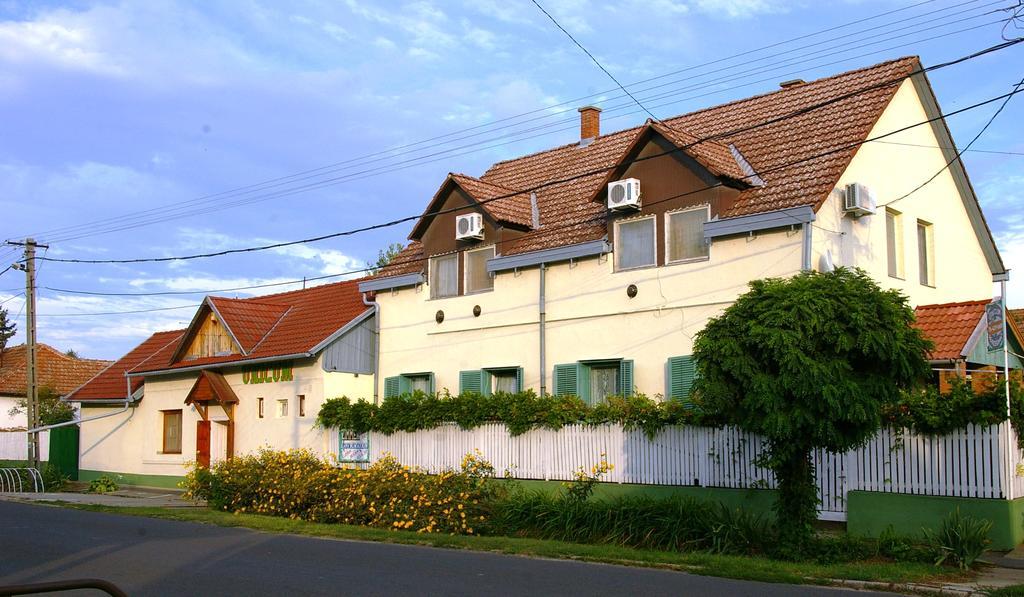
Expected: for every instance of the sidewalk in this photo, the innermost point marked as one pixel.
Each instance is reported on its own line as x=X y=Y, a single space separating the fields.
x=135 y=497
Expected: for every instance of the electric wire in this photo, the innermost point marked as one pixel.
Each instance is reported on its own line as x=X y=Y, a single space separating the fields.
x=549 y=183
x=596 y=219
x=251 y=188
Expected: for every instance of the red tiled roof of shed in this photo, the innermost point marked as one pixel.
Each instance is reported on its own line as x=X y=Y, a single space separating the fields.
x=54 y=369
x=949 y=326
x=110 y=383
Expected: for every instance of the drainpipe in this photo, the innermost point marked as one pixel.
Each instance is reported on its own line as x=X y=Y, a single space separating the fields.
x=127 y=402
x=376 y=343
x=541 y=302
x=806 y=260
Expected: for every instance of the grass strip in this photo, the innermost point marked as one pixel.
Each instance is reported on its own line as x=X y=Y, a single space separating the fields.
x=726 y=566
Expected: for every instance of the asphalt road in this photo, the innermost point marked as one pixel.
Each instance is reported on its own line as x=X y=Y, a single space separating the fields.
x=160 y=557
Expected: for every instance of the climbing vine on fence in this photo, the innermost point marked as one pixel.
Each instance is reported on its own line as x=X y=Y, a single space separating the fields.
x=520 y=412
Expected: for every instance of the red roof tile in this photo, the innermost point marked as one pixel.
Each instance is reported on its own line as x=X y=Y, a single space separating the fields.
x=110 y=383
x=306 y=318
x=514 y=209
x=949 y=326
x=1018 y=316
x=249 y=320
x=54 y=369
x=569 y=217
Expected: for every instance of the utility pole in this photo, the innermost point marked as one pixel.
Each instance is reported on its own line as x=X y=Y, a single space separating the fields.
x=31 y=387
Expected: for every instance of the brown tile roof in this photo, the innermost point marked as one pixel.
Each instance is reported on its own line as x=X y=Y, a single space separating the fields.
x=304 y=319
x=568 y=216
x=54 y=369
x=1018 y=316
x=249 y=320
x=110 y=383
x=514 y=209
x=949 y=326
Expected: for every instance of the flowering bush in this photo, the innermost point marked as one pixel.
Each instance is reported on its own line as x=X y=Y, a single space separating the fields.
x=582 y=486
x=298 y=484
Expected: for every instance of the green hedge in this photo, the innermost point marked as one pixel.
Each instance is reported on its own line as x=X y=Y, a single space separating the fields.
x=520 y=412
x=923 y=411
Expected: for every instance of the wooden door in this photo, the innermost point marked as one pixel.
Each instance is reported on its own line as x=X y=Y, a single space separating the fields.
x=203 y=443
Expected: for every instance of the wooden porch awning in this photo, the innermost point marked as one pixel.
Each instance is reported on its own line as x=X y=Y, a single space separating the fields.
x=211 y=387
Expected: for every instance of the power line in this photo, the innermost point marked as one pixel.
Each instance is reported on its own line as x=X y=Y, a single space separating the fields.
x=117 y=312
x=956 y=158
x=921 y=145
x=401 y=220
x=356 y=176
x=601 y=217
x=594 y=60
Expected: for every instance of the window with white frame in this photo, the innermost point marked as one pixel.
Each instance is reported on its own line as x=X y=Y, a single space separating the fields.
x=925 y=253
x=419 y=383
x=282 y=408
x=477 y=278
x=635 y=243
x=444 y=276
x=684 y=234
x=604 y=381
x=894 y=242
x=504 y=381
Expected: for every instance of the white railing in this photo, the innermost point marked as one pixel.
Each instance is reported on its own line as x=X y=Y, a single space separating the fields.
x=14 y=445
x=967 y=463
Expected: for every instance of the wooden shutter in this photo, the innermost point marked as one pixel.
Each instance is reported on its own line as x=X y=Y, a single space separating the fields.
x=626 y=377
x=392 y=386
x=566 y=380
x=471 y=381
x=681 y=373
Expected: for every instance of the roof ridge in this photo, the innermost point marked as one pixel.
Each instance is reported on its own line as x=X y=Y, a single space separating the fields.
x=317 y=287
x=713 y=107
x=248 y=301
x=955 y=304
x=482 y=181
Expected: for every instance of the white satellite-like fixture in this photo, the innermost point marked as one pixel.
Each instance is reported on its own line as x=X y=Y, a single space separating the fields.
x=624 y=194
x=469 y=227
x=858 y=200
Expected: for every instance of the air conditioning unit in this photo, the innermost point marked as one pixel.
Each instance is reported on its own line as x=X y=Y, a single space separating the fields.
x=469 y=227
x=624 y=194
x=858 y=200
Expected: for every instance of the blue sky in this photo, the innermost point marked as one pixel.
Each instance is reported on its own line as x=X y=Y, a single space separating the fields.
x=112 y=108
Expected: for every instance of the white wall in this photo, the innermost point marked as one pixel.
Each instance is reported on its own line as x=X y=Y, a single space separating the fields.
x=131 y=442
x=588 y=312
x=18 y=421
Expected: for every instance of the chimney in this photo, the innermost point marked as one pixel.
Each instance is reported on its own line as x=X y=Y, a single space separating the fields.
x=590 y=122
x=791 y=83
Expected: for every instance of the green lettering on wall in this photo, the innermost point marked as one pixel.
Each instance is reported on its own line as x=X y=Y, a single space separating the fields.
x=268 y=374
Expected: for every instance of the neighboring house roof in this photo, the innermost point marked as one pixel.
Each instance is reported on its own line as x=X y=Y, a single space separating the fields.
x=834 y=129
x=950 y=326
x=276 y=325
x=53 y=369
x=1018 y=316
x=110 y=383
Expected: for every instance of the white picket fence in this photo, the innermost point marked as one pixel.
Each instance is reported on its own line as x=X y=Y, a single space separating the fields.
x=974 y=462
x=14 y=445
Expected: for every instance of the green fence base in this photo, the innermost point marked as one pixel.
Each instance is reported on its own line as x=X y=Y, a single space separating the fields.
x=160 y=481
x=870 y=512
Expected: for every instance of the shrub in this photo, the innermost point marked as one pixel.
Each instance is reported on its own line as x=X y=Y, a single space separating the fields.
x=54 y=479
x=960 y=540
x=102 y=484
x=298 y=484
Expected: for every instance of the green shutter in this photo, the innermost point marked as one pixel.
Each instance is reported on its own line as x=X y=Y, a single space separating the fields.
x=583 y=384
x=392 y=386
x=519 y=379
x=626 y=377
x=404 y=385
x=471 y=381
x=681 y=373
x=565 y=379
x=432 y=389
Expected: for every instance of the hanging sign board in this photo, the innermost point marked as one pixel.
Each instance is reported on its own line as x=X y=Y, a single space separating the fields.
x=994 y=315
x=354 y=447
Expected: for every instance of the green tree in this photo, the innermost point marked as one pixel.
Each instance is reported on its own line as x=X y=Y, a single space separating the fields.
x=71 y=352
x=808 y=362
x=7 y=329
x=51 y=409
x=384 y=257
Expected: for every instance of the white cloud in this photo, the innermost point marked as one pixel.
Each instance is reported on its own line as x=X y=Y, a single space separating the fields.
x=741 y=9
x=1011 y=247
x=63 y=40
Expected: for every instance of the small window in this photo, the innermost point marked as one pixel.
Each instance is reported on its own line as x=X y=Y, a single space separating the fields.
x=419 y=383
x=634 y=243
x=282 y=408
x=259 y=407
x=302 y=405
x=604 y=382
x=505 y=381
x=894 y=242
x=172 y=432
x=477 y=278
x=444 y=276
x=925 y=253
x=685 y=235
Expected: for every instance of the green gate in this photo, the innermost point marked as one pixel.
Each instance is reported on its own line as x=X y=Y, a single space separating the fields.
x=64 y=450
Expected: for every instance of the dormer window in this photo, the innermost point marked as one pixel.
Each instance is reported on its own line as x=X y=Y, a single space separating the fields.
x=477 y=277
x=635 y=243
x=444 y=276
x=684 y=239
